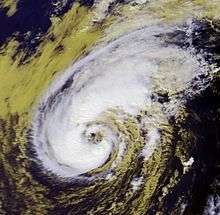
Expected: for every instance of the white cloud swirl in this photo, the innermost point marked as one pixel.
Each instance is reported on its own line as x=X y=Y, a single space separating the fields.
x=71 y=133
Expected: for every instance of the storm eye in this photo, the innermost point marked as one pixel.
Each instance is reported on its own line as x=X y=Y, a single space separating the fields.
x=96 y=137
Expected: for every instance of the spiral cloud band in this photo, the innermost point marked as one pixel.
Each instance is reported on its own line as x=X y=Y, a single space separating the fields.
x=101 y=113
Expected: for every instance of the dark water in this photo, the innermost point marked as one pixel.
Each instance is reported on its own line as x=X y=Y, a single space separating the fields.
x=32 y=16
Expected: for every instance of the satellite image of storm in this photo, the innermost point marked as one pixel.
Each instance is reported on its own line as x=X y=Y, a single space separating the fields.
x=109 y=107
